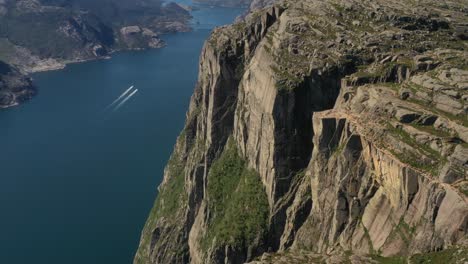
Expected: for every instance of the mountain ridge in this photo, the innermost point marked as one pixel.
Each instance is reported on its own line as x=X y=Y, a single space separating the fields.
x=43 y=35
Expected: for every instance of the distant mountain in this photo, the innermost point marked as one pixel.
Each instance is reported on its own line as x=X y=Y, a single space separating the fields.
x=225 y=3
x=41 y=35
x=121 y=12
x=257 y=4
x=253 y=4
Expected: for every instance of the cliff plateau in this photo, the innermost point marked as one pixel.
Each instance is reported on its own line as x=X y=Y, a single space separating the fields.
x=328 y=131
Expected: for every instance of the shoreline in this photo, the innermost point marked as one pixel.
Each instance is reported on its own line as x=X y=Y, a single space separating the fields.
x=52 y=64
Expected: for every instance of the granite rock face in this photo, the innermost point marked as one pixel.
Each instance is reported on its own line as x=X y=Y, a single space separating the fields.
x=322 y=131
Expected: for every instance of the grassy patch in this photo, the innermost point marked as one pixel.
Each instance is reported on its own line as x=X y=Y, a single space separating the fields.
x=394 y=86
x=404 y=231
x=237 y=202
x=432 y=130
x=170 y=199
x=389 y=260
x=172 y=194
x=452 y=255
x=414 y=158
x=463 y=190
x=460 y=119
x=286 y=81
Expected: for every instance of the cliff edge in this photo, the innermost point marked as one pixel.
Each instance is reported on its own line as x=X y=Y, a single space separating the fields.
x=321 y=131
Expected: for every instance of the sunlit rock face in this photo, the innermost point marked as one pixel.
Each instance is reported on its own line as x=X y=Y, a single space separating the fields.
x=348 y=117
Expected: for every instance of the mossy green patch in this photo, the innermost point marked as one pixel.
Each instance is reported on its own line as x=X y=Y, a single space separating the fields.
x=460 y=119
x=389 y=260
x=286 y=81
x=173 y=192
x=413 y=158
x=237 y=202
x=432 y=130
x=452 y=255
x=171 y=198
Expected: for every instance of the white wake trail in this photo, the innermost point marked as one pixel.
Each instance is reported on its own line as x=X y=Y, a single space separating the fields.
x=125 y=100
x=120 y=97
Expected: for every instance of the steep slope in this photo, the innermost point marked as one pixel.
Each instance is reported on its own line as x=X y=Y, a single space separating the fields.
x=334 y=127
x=15 y=87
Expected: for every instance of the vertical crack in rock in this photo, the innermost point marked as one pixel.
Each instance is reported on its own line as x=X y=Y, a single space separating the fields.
x=317 y=130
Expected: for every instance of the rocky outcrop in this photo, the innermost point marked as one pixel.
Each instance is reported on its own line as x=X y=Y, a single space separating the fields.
x=15 y=87
x=332 y=129
x=134 y=37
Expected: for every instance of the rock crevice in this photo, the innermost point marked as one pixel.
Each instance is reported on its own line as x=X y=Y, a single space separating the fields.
x=348 y=117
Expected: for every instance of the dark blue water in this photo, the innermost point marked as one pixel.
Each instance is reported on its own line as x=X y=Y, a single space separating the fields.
x=76 y=181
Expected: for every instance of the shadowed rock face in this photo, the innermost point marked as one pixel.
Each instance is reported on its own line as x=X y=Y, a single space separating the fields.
x=352 y=116
x=15 y=87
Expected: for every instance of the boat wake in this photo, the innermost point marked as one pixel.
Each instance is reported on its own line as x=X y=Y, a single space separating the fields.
x=125 y=100
x=119 y=98
x=122 y=99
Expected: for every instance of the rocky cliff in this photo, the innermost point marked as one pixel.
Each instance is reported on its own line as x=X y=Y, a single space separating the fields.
x=15 y=87
x=320 y=131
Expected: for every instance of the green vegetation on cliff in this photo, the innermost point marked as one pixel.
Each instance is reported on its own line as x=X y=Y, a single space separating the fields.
x=237 y=201
x=171 y=198
x=450 y=255
x=172 y=194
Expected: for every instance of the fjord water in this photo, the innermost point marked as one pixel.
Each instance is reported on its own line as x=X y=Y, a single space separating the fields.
x=77 y=181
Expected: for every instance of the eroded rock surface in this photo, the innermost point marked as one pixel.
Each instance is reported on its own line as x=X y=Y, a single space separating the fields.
x=351 y=115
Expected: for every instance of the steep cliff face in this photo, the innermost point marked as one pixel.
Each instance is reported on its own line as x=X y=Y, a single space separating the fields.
x=337 y=128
